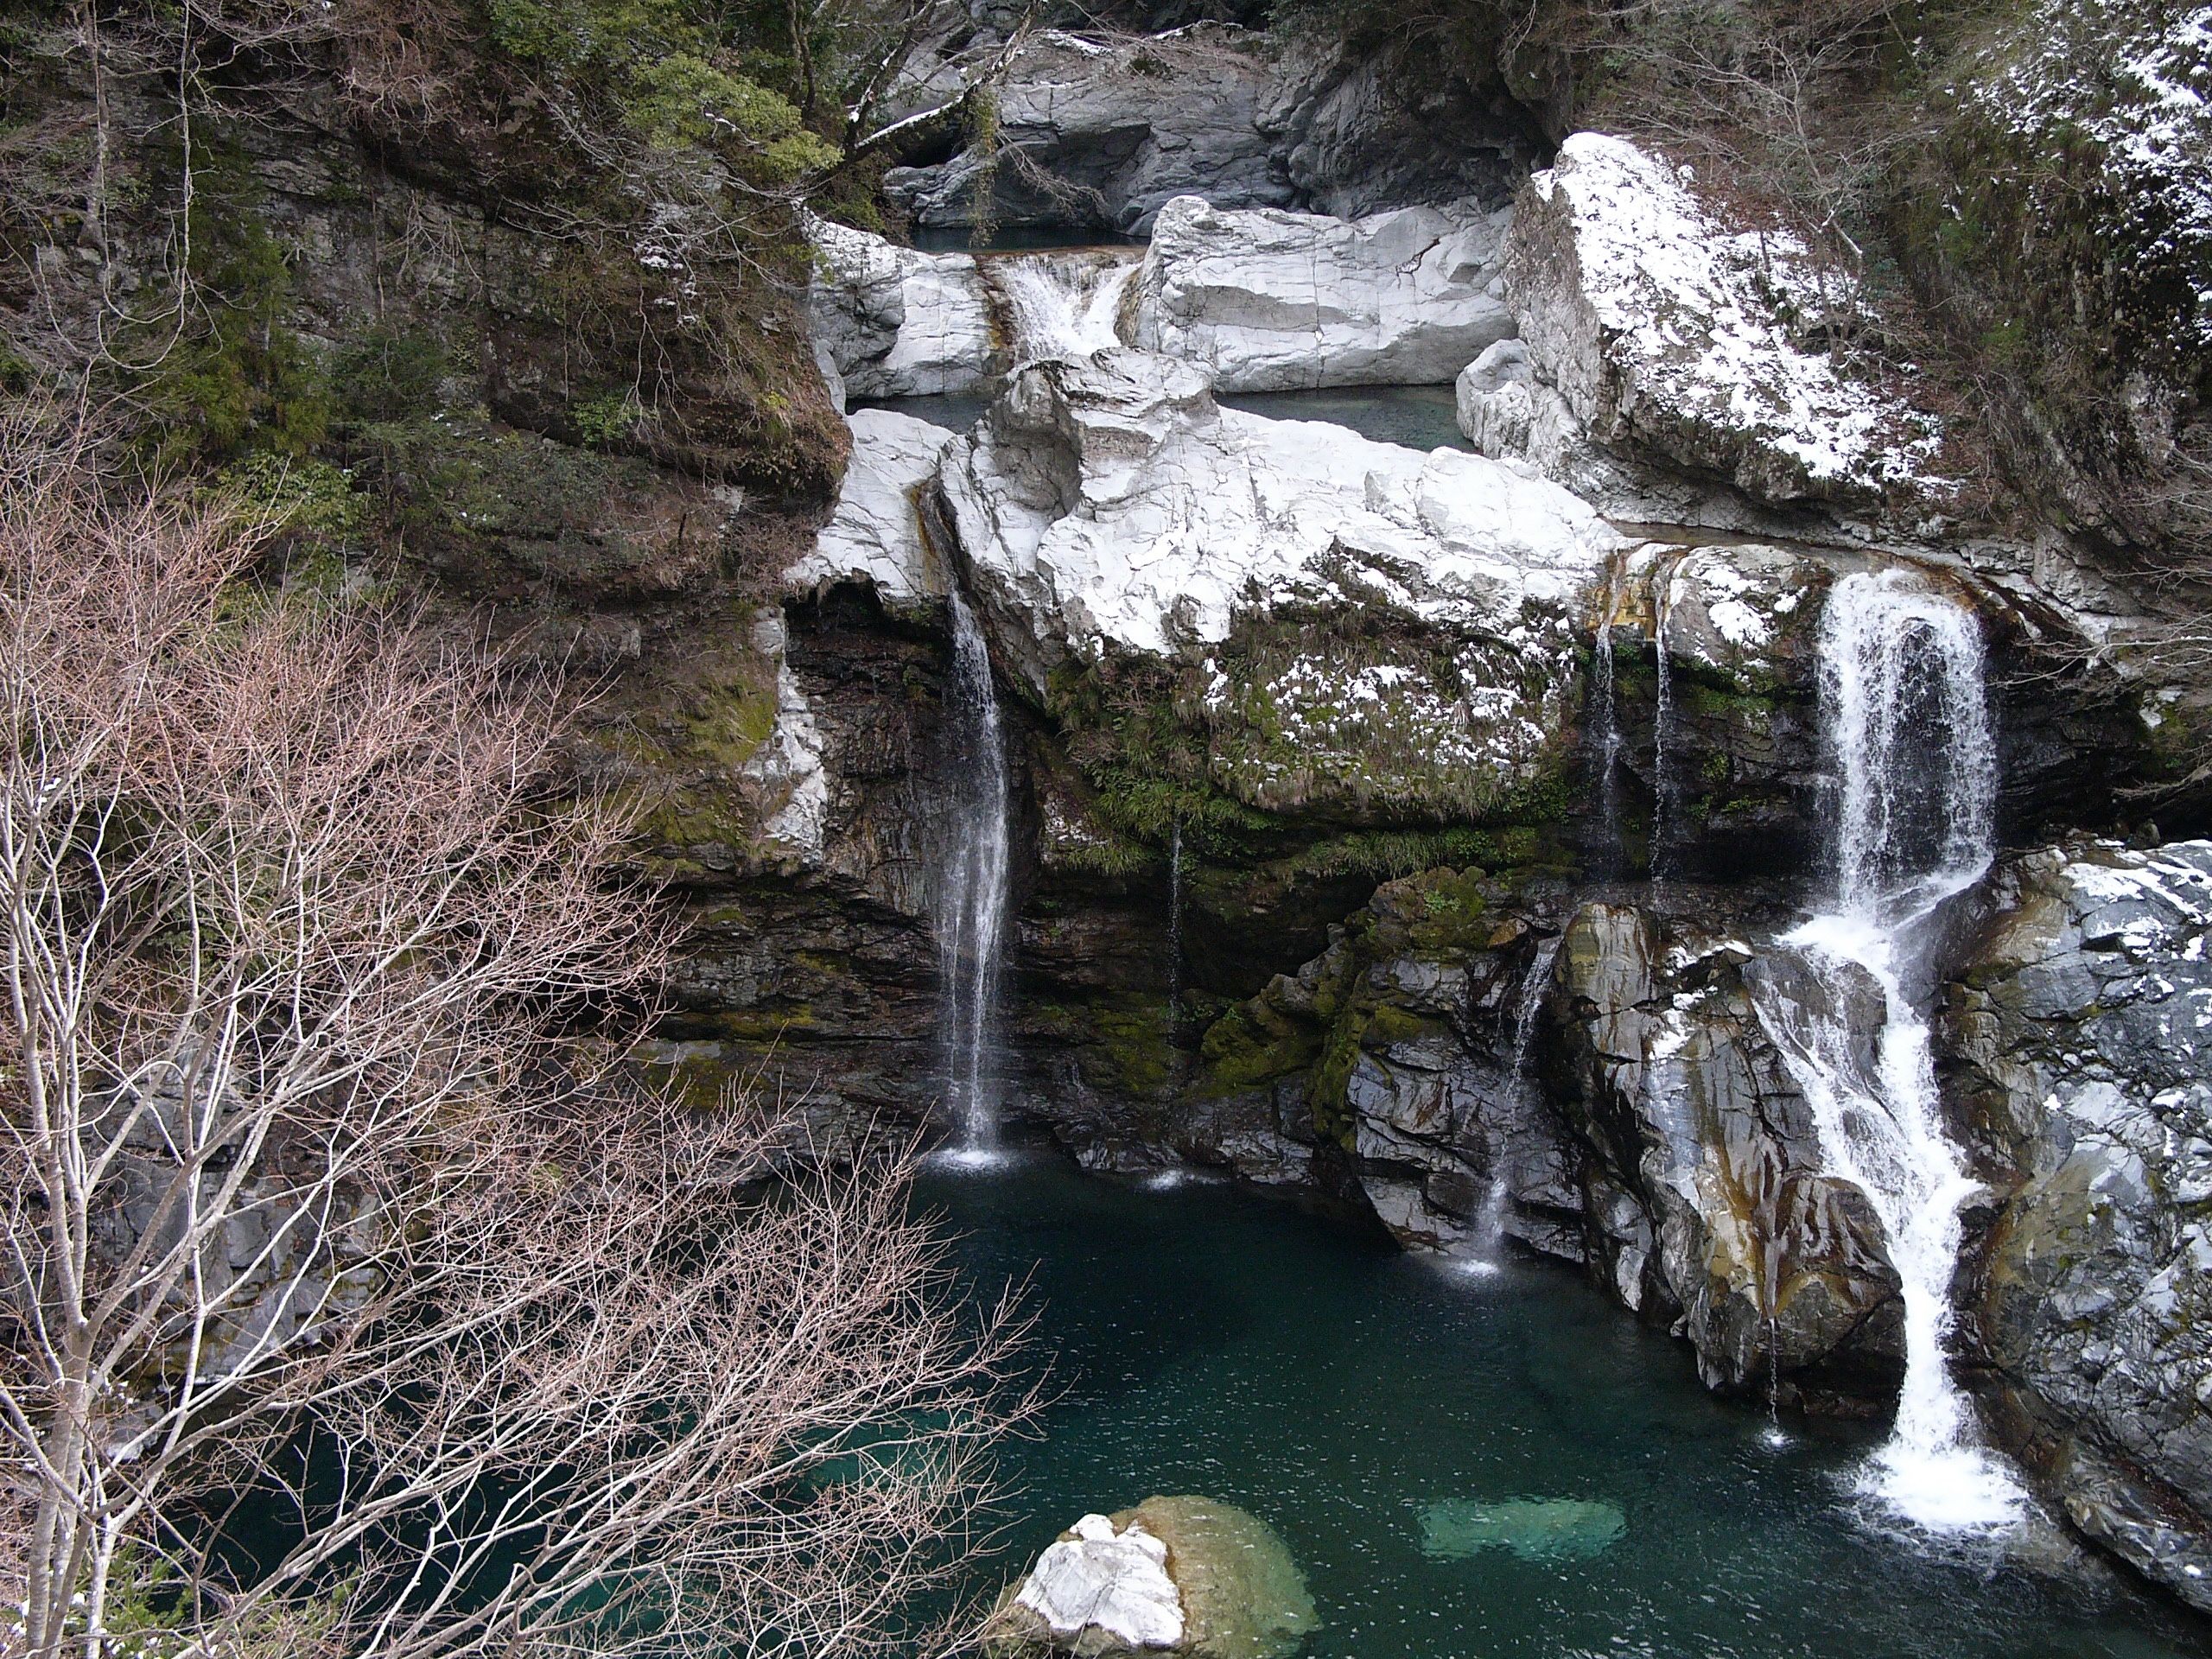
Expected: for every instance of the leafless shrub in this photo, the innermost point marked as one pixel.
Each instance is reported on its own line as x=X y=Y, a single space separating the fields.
x=330 y=1217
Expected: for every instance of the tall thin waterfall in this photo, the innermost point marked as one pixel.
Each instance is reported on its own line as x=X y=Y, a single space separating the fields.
x=1662 y=725
x=1904 y=710
x=972 y=889
x=1605 y=718
x=1064 y=303
x=1175 y=921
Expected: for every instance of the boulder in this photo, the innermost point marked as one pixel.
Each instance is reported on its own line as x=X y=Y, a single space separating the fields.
x=1109 y=509
x=1271 y=301
x=873 y=538
x=1187 y=1575
x=894 y=323
x=1676 y=334
x=2080 y=1035
x=1706 y=1205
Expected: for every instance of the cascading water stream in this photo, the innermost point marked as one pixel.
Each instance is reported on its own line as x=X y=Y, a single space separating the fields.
x=1175 y=922
x=1904 y=710
x=972 y=890
x=1064 y=303
x=1606 y=719
x=1662 y=725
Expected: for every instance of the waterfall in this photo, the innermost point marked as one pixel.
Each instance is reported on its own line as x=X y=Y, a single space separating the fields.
x=1065 y=303
x=972 y=889
x=1490 y=1221
x=1175 y=922
x=1605 y=723
x=1904 y=711
x=1662 y=725
x=1537 y=980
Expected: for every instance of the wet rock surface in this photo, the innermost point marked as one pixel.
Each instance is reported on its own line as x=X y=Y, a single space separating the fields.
x=2081 y=1032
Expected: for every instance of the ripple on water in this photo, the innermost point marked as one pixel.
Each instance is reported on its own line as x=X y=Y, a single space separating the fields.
x=1207 y=1340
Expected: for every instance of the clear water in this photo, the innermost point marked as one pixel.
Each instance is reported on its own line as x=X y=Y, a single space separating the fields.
x=1420 y=417
x=1205 y=1339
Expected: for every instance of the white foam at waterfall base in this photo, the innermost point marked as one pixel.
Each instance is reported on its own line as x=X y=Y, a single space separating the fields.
x=972 y=889
x=1065 y=303
x=1904 y=711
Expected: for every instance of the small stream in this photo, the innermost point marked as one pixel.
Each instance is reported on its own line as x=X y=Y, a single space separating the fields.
x=1206 y=1339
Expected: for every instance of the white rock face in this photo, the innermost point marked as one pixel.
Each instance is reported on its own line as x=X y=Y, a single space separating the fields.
x=893 y=323
x=1270 y=301
x=1510 y=415
x=784 y=781
x=1113 y=1583
x=1111 y=505
x=1666 y=330
x=874 y=536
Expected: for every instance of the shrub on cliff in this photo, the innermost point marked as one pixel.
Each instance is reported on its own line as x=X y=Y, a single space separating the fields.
x=358 y=1300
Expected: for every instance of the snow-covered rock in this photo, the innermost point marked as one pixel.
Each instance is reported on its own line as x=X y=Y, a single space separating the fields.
x=1108 y=508
x=1677 y=335
x=1112 y=505
x=1097 y=1582
x=1271 y=301
x=783 y=783
x=874 y=536
x=894 y=323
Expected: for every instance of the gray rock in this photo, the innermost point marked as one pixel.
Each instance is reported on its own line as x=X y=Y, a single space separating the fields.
x=1269 y=300
x=2082 y=1031
x=893 y=323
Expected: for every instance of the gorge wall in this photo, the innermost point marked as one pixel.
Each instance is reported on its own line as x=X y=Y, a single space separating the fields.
x=1415 y=826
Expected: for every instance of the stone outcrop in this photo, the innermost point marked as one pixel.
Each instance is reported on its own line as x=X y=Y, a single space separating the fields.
x=1677 y=336
x=1270 y=301
x=2080 y=1036
x=1706 y=1206
x=1184 y=1575
x=895 y=322
x=1097 y=133
x=873 y=538
x=1100 y=135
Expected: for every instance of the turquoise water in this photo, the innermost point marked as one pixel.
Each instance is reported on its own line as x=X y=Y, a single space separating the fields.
x=1420 y=417
x=1580 y=1493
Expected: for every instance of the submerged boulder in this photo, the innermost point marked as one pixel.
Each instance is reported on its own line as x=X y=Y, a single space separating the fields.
x=1187 y=1575
x=1270 y=301
x=2081 y=1030
x=1533 y=1529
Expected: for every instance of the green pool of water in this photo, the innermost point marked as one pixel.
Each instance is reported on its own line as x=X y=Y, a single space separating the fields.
x=1420 y=417
x=1465 y=1468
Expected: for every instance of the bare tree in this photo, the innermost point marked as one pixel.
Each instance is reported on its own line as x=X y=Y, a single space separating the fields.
x=354 y=1302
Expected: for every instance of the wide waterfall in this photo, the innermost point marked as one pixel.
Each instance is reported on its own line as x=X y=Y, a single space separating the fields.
x=1904 y=711
x=1062 y=303
x=972 y=887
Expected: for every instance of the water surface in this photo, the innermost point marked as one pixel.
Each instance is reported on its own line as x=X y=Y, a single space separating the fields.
x=1209 y=1340
x=1420 y=417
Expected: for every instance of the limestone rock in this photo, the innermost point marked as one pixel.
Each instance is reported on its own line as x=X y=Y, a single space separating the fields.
x=874 y=538
x=894 y=323
x=1102 y=133
x=1704 y=1185
x=1674 y=334
x=1187 y=1575
x=1270 y=301
x=2083 y=1027
x=1108 y=508
x=1100 y=1589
